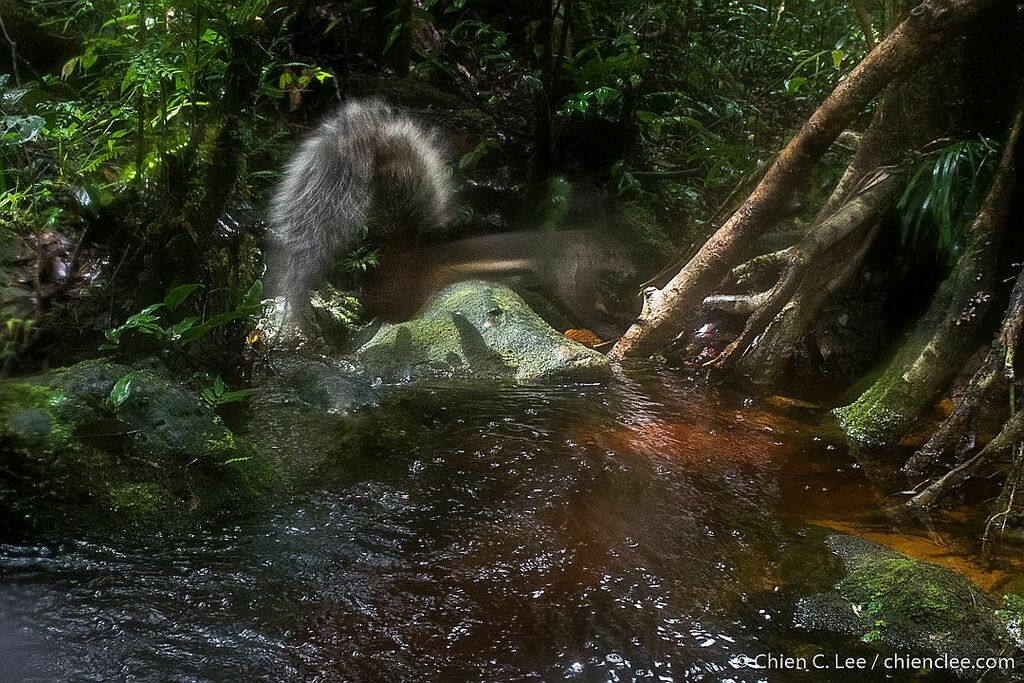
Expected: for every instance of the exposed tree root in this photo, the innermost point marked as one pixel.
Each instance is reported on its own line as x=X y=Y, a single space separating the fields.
x=884 y=145
x=1007 y=509
x=1011 y=433
x=856 y=215
x=944 y=336
x=759 y=266
x=672 y=308
x=955 y=435
x=768 y=359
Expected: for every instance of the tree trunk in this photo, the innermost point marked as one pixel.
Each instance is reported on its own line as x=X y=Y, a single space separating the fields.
x=944 y=336
x=955 y=436
x=911 y=115
x=671 y=310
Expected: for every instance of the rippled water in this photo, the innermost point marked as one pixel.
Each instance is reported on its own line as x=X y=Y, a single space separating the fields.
x=636 y=530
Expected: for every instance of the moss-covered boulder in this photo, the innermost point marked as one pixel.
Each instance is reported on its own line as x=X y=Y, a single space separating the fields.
x=913 y=606
x=476 y=330
x=101 y=443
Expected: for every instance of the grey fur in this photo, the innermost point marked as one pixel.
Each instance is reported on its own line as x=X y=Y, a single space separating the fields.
x=368 y=173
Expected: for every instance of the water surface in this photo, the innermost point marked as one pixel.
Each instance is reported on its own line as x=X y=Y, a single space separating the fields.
x=642 y=529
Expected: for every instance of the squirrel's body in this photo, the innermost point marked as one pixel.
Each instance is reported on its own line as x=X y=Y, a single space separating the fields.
x=578 y=267
x=368 y=173
x=371 y=175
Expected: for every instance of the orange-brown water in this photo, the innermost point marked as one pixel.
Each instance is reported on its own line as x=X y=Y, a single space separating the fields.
x=641 y=529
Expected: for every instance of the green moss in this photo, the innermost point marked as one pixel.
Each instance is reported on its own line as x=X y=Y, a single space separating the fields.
x=901 y=589
x=29 y=417
x=23 y=395
x=223 y=445
x=337 y=315
x=891 y=598
x=641 y=216
x=256 y=475
x=162 y=457
x=1012 y=617
x=141 y=500
x=476 y=330
x=881 y=414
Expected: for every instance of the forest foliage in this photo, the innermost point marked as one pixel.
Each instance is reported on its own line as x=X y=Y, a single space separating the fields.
x=139 y=139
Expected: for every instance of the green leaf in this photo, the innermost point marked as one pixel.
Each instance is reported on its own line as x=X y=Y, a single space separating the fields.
x=152 y=308
x=177 y=296
x=121 y=391
x=533 y=82
x=473 y=157
x=218 y=385
x=180 y=328
x=16 y=130
x=68 y=68
x=395 y=32
x=235 y=396
x=793 y=84
x=254 y=294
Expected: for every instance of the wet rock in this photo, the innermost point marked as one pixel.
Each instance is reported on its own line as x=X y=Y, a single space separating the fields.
x=334 y=319
x=306 y=368
x=101 y=442
x=910 y=605
x=476 y=330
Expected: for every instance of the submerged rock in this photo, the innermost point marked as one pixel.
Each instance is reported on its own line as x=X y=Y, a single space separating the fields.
x=101 y=442
x=907 y=604
x=476 y=329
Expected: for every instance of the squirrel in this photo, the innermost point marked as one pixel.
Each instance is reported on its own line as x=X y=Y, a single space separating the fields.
x=579 y=267
x=368 y=174
x=371 y=175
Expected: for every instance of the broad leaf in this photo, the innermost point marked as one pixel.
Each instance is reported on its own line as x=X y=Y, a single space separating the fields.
x=177 y=296
x=121 y=391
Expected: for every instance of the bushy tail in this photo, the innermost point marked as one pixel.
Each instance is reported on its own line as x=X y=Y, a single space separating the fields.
x=368 y=173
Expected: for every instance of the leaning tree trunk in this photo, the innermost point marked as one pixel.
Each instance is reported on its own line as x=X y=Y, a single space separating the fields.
x=945 y=335
x=867 y=190
x=671 y=310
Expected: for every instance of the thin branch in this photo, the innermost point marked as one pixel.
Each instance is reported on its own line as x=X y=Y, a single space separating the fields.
x=1011 y=433
x=14 y=51
x=865 y=23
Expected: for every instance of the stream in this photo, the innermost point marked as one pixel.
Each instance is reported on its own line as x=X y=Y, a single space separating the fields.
x=642 y=529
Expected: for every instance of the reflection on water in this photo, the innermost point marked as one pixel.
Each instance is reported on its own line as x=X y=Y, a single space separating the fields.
x=632 y=531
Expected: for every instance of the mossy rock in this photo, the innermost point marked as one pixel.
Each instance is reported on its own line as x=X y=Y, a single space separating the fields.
x=337 y=314
x=910 y=605
x=72 y=457
x=474 y=330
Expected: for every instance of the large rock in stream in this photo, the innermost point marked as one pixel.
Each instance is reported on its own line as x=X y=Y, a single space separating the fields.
x=475 y=330
x=885 y=597
x=470 y=330
x=105 y=443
